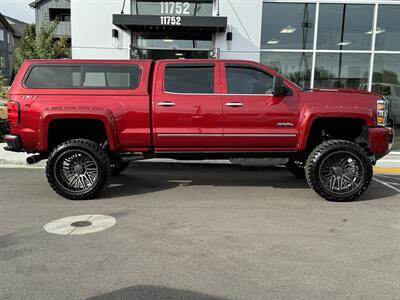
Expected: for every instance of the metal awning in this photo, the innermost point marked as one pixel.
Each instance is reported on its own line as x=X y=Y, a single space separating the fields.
x=156 y=23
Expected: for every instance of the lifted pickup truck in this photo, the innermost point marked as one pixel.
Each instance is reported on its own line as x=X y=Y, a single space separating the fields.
x=89 y=117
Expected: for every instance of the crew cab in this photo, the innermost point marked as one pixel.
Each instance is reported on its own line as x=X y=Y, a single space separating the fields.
x=88 y=118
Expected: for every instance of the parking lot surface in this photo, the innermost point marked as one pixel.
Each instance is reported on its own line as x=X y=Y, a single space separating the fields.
x=190 y=231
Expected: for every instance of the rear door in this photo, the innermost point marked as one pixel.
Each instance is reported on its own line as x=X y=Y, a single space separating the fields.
x=187 y=106
x=252 y=116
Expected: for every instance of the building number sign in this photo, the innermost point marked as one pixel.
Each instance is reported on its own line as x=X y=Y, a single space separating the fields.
x=173 y=12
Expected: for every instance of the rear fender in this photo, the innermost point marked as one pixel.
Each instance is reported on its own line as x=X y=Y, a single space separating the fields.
x=56 y=113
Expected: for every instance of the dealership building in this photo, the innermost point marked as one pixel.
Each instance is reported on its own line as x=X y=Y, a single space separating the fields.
x=317 y=44
x=328 y=44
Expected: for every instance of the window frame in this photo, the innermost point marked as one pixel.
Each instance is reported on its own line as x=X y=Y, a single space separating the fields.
x=186 y=65
x=81 y=87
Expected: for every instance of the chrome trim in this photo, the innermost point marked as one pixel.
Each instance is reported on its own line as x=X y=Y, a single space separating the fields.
x=218 y=94
x=166 y=104
x=285 y=124
x=234 y=104
x=226 y=135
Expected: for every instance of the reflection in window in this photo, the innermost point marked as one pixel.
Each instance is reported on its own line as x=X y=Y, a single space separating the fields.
x=248 y=81
x=196 y=79
x=338 y=70
x=184 y=8
x=295 y=66
x=386 y=81
x=388 y=28
x=344 y=26
x=174 y=41
x=288 y=26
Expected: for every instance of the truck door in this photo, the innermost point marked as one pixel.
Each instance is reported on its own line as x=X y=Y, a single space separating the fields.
x=252 y=116
x=187 y=106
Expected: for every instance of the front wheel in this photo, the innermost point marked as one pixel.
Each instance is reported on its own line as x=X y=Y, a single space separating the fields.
x=78 y=169
x=339 y=170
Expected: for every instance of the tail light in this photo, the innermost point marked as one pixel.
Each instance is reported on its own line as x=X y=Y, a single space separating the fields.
x=13 y=112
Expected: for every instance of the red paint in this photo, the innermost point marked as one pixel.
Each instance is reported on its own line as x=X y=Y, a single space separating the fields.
x=197 y=123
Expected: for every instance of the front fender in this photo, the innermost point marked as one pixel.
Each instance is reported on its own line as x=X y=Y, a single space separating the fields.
x=311 y=113
x=89 y=113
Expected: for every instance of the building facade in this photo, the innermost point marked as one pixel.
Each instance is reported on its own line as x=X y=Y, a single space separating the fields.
x=6 y=48
x=51 y=10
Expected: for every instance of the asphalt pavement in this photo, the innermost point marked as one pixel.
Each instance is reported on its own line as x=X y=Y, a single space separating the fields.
x=198 y=231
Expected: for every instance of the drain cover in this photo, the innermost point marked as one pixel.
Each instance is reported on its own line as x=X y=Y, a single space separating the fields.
x=80 y=224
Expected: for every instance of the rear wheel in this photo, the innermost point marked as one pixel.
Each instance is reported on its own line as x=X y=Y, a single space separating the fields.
x=78 y=169
x=339 y=170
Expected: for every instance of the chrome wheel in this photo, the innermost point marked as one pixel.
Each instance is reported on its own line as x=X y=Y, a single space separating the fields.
x=76 y=171
x=342 y=172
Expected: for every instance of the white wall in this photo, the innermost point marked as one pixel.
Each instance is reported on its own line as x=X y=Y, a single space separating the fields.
x=244 y=18
x=91 y=26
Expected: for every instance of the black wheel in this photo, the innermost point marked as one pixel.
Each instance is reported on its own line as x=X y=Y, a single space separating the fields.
x=118 y=166
x=339 y=170
x=78 y=169
x=296 y=167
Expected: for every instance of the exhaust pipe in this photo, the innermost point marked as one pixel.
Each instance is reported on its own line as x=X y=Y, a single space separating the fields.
x=34 y=159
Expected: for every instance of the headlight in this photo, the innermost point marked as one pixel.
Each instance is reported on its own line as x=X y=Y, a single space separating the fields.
x=382 y=110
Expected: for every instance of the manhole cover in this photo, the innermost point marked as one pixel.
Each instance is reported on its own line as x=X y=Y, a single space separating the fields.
x=80 y=224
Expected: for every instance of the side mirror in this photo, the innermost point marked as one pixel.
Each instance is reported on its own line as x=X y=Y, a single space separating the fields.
x=278 y=87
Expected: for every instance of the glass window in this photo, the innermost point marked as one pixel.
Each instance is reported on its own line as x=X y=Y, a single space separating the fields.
x=295 y=66
x=188 y=8
x=2 y=62
x=117 y=77
x=248 y=81
x=174 y=40
x=94 y=76
x=345 y=27
x=288 y=26
x=386 y=81
x=388 y=28
x=189 y=79
x=54 y=77
x=341 y=70
x=1 y=35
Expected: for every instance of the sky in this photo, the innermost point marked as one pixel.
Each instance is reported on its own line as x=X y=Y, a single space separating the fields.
x=18 y=9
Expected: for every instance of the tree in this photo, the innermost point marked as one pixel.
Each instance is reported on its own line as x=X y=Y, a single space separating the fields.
x=3 y=87
x=41 y=44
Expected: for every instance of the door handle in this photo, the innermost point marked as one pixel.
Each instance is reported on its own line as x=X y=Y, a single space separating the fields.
x=234 y=104
x=166 y=104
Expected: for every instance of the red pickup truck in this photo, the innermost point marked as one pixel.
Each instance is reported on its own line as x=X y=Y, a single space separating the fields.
x=90 y=117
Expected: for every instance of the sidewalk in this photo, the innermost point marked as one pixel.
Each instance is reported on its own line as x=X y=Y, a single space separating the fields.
x=390 y=164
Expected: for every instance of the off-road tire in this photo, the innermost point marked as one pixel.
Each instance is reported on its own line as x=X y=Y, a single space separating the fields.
x=296 y=167
x=317 y=156
x=100 y=157
x=118 y=166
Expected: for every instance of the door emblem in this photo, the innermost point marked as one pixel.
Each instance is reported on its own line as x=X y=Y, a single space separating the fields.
x=285 y=124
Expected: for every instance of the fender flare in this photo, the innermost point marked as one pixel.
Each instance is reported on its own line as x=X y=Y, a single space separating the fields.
x=310 y=115
x=86 y=113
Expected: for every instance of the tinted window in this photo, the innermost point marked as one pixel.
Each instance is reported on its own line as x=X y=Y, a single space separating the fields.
x=54 y=77
x=388 y=28
x=189 y=79
x=117 y=77
x=245 y=80
x=87 y=76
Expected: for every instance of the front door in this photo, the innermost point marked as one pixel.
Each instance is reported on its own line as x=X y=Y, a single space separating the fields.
x=252 y=116
x=187 y=106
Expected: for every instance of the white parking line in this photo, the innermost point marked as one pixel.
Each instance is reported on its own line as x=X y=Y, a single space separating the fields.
x=387 y=185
